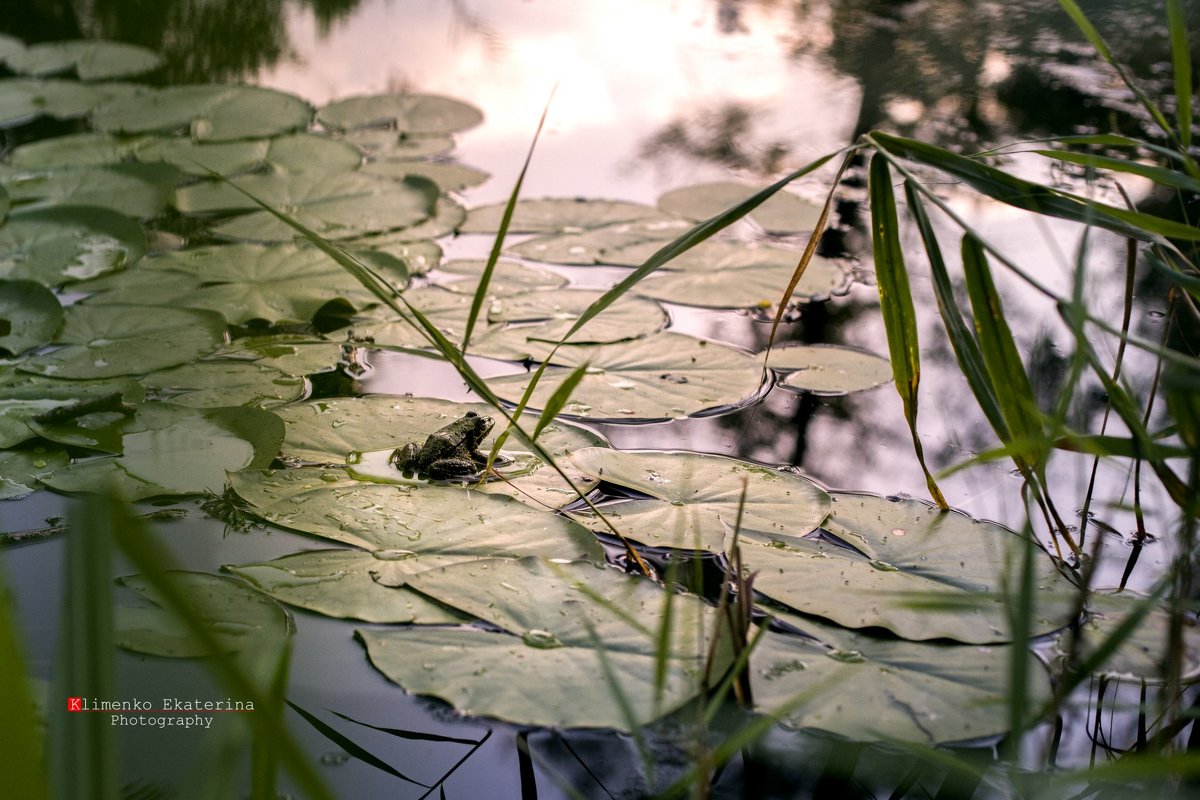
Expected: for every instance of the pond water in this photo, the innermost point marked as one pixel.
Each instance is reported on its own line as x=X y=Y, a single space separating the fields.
x=642 y=98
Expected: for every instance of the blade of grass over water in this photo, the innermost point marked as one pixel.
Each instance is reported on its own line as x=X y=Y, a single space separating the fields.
x=505 y=220
x=351 y=747
x=896 y=304
x=21 y=758
x=1160 y=175
x=1181 y=60
x=83 y=747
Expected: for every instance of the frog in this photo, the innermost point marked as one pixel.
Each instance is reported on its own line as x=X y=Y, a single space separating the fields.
x=449 y=452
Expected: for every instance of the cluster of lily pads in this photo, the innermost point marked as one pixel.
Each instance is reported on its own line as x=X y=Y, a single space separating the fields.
x=161 y=328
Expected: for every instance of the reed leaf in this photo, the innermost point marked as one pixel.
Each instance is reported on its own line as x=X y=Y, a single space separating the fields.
x=895 y=299
x=1160 y=175
x=1181 y=60
x=21 y=757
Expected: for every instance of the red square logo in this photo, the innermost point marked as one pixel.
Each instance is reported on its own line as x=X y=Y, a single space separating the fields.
x=74 y=704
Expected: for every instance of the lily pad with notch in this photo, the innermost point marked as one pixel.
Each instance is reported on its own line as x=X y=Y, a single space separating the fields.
x=449 y=176
x=389 y=144
x=618 y=243
x=691 y=501
x=287 y=154
x=136 y=190
x=508 y=278
x=24 y=398
x=57 y=245
x=21 y=468
x=567 y=632
x=23 y=100
x=209 y=113
x=782 y=213
x=32 y=313
x=828 y=369
x=404 y=112
x=212 y=383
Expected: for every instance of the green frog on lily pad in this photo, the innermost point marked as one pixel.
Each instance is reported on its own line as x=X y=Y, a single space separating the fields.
x=449 y=452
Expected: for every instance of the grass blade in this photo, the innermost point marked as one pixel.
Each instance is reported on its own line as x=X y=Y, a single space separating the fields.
x=966 y=349
x=21 y=756
x=895 y=299
x=351 y=747
x=1182 y=62
x=1160 y=175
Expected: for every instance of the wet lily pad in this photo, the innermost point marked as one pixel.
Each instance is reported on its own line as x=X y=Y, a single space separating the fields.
x=1144 y=654
x=871 y=689
x=350 y=584
x=23 y=100
x=448 y=214
x=24 y=397
x=75 y=149
x=239 y=617
x=449 y=177
x=19 y=469
x=32 y=312
x=694 y=497
x=782 y=213
x=294 y=355
x=68 y=243
x=403 y=112
x=545 y=669
x=621 y=243
x=208 y=384
x=289 y=154
x=104 y=341
x=210 y=113
x=420 y=255
x=508 y=277
x=172 y=450
x=829 y=369
x=555 y=215
x=918 y=572
x=662 y=376
x=431 y=522
x=446 y=310
x=136 y=190
x=91 y=59
x=749 y=287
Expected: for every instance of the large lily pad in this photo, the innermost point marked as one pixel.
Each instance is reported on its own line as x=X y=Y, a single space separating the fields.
x=32 y=314
x=208 y=112
x=341 y=430
x=25 y=99
x=436 y=524
x=551 y=666
x=297 y=152
x=869 y=688
x=449 y=177
x=663 y=376
x=137 y=190
x=508 y=277
x=294 y=355
x=240 y=618
x=918 y=572
x=693 y=498
x=555 y=215
x=76 y=150
x=448 y=214
x=172 y=450
x=750 y=287
x=103 y=341
x=92 y=59
x=207 y=384
x=782 y=213
x=19 y=469
x=828 y=369
x=68 y=243
x=403 y=112
x=388 y=144
x=350 y=584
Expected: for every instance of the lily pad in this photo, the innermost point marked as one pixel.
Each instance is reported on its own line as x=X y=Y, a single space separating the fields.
x=906 y=567
x=694 y=498
x=92 y=59
x=335 y=206
x=449 y=177
x=23 y=100
x=419 y=255
x=290 y=154
x=24 y=397
x=556 y=215
x=782 y=213
x=448 y=214
x=172 y=450
x=75 y=150
x=136 y=190
x=19 y=469
x=240 y=618
x=388 y=144
x=406 y=113
x=103 y=341
x=750 y=287
x=349 y=584
x=508 y=277
x=211 y=113
x=293 y=355
x=1144 y=654
x=436 y=524
x=32 y=312
x=560 y=646
x=207 y=384
x=662 y=376
x=68 y=243
x=870 y=689
x=829 y=369
x=608 y=244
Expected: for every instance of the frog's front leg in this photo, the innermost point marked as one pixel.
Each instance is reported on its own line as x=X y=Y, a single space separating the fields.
x=405 y=458
x=454 y=467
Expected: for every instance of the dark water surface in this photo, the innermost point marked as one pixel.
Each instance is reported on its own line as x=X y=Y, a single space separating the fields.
x=652 y=96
